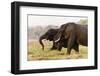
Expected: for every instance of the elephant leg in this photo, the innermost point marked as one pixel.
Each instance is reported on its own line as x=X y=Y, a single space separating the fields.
x=76 y=48
x=60 y=48
x=71 y=42
x=53 y=47
x=68 y=50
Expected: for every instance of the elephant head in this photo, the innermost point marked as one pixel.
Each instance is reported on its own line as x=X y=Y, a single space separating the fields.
x=58 y=36
x=61 y=42
x=49 y=35
x=64 y=29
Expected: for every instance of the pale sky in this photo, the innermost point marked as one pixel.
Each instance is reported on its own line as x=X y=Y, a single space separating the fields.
x=34 y=20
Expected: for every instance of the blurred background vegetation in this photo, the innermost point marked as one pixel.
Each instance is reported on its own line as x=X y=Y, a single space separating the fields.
x=36 y=32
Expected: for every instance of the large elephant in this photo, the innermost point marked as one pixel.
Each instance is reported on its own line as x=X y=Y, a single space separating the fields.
x=75 y=34
x=49 y=35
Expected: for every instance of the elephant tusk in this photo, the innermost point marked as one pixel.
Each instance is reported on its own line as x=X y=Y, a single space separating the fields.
x=44 y=39
x=57 y=40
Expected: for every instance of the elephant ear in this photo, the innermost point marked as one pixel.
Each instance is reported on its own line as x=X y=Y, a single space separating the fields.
x=69 y=30
x=63 y=27
x=67 y=27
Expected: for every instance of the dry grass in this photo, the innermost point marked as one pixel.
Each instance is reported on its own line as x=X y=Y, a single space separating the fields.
x=36 y=53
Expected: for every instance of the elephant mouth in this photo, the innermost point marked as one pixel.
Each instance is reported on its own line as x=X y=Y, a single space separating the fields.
x=57 y=39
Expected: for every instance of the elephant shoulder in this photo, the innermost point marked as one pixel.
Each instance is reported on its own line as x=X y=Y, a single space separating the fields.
x=70 y=28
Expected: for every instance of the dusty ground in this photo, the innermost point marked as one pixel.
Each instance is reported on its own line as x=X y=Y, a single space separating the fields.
x=36 y=53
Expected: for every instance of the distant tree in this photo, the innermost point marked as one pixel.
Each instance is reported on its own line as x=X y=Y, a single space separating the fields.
x=37 y=31
x=83 y=21
x=50 y=27
x=30 y=33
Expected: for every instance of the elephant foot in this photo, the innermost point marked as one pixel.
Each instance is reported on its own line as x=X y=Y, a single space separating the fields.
x=77 y=53
x=74 y=56
x=68 y=56
x=59 y=49
x=52 y=48
x=79 y=56
x=68 y=53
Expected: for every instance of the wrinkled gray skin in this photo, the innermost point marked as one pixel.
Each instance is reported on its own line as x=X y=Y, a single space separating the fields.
x=49 y=35
x=75 y=34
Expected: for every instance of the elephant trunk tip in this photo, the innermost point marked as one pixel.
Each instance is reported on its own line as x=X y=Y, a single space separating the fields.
x=42 y=48
x=40 y=41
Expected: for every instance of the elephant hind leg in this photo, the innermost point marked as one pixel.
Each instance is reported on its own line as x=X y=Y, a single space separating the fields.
x=68 y=51
x=76 y=48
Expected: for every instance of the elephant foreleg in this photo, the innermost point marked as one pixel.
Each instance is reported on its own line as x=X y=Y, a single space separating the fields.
x=71 y=41
x=59 y=48
x=53 y=47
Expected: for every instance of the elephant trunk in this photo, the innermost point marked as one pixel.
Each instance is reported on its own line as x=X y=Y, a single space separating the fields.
x=40 y=41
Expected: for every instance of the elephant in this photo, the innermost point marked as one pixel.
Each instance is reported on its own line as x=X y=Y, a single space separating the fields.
x=75 y=34
x=49 y=35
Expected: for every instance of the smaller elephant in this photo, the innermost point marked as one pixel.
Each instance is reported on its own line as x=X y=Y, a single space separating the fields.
x=49 y=35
